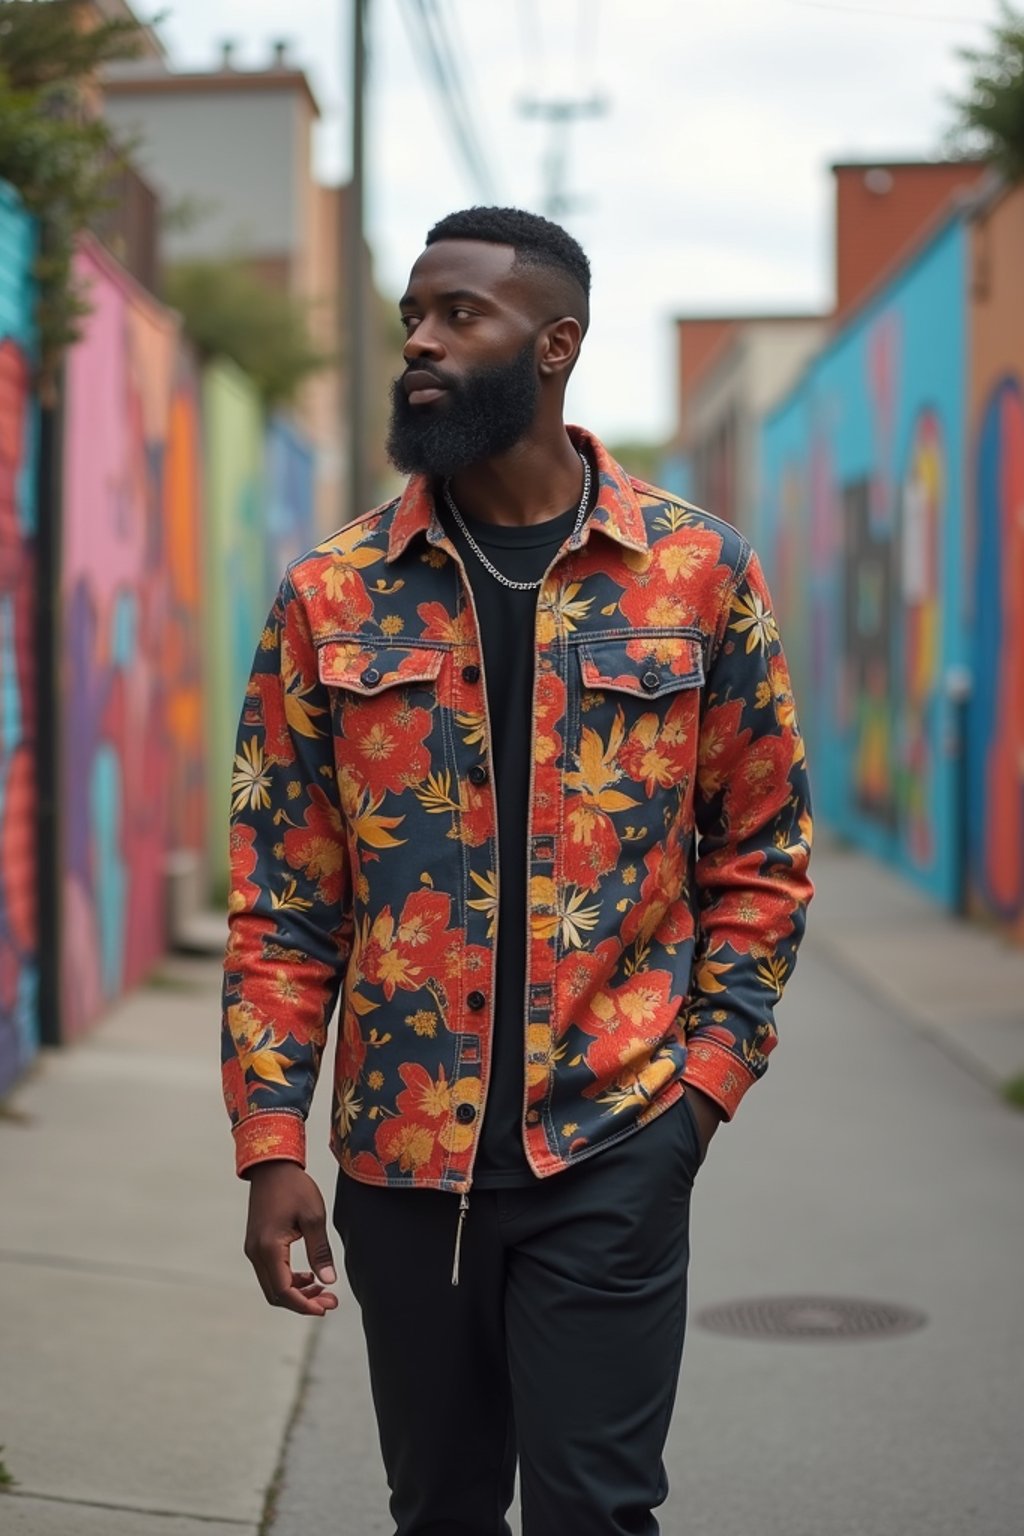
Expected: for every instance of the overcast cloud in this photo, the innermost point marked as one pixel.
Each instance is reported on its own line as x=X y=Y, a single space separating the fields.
x=704 y=188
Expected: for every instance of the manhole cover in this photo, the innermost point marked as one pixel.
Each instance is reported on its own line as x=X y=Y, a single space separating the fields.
x=809 y=1317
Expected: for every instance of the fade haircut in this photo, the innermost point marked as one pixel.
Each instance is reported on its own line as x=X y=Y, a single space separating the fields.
x=536 y=241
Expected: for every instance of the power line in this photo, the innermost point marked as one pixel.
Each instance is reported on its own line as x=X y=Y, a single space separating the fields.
x=432 y=49
x=450 y=46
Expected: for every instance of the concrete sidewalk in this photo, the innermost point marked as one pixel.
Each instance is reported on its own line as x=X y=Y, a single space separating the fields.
x=145 y=1385
x=146 y=1388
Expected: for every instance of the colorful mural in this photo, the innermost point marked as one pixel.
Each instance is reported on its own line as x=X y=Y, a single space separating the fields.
x=861 y=528
x=993 y=586
x=183 y=655
x=115 y=598
x=235 y=578
x=19 y=956
x=290 y=468
x=995 y=736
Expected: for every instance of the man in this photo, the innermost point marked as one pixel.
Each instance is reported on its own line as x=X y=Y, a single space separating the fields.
x=519 y=772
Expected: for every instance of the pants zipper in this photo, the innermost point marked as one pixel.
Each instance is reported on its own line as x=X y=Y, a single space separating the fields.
x=463 y=1209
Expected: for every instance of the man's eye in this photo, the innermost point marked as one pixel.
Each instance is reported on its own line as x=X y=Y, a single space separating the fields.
x=462 y=314
x=407 y=322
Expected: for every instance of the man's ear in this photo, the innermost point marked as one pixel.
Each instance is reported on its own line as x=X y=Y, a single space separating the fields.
x=559 y=346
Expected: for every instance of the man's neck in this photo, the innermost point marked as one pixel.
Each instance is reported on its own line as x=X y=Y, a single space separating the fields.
x=535 y=481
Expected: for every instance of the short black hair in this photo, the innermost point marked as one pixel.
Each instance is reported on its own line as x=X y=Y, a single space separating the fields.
x=537 y=242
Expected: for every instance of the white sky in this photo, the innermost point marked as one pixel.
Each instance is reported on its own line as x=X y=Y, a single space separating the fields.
x=704 y=188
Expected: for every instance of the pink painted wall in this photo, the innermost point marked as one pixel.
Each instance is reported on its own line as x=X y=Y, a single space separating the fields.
x=116 y=604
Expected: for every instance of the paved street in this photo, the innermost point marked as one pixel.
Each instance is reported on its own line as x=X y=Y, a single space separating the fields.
x=147 y=1389
x=874 y=1162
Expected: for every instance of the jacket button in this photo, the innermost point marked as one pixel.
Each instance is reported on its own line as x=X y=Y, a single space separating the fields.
x=465 y=1114
x=476 y=1001
x=370 y=678
x=651 y=681
x=478 y=774
x=471 y=674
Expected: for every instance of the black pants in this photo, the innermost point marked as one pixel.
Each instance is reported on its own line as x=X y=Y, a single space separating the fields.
x=560 y=1345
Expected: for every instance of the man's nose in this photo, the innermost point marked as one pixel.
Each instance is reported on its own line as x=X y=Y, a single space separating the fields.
x=422 y=342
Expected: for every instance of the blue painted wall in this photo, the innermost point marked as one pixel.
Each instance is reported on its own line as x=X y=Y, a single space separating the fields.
x=290 y=490
x=860 y=524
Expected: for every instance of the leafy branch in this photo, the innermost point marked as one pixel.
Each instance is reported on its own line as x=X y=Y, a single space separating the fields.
x=989 y=118
x=55 y=149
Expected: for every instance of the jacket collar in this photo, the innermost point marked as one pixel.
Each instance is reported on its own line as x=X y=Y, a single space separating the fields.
x=616 y=512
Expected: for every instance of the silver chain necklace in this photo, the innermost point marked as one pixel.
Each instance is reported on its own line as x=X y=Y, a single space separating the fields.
x=506 y=581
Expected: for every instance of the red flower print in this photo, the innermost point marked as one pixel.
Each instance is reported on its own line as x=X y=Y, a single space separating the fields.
x=663 y=907
x=720 y=740
x=318 y=849
x=244 y=858
x=659 y=751
x=759 y=784
x=385 y=737
x=439 y=624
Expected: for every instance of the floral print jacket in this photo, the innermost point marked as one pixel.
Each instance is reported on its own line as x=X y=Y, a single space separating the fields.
x=667 y=844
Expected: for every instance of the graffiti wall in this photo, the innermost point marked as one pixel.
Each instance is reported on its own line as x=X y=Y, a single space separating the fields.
x=182 y=503
x=236 y=581
x=290 y=471
x=116 y=599
x=993 y=590
x=861 y=527
x=19 y=957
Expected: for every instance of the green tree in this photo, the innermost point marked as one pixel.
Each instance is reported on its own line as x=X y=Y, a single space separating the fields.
x=231 y=312
x=54 y=148
x=989 y=120
x=640 y=457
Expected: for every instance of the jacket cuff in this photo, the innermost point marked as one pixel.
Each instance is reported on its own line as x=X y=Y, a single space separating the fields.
x=716 y=1072
x=269 y=1135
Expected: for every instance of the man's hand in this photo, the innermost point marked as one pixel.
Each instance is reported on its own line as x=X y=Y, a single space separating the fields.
x=706 y=1113
x=285 y=1205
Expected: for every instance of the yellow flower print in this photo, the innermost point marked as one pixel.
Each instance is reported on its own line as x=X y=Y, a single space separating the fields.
x=289 y=900
x=424 y=1022
x=563 y=912
x=375 y=1080
x=391 y=624
x=488 y=902
x=543 y=1054
x=561 y=611
x=755 y=620
x=349 y=1108
x=250 y=780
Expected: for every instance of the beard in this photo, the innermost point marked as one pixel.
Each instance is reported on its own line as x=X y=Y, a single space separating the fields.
x=482 y=415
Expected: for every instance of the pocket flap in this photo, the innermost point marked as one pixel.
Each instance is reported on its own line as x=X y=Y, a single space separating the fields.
x=646 y=665
x=369 y=669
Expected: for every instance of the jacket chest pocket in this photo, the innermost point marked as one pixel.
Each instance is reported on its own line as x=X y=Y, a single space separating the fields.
x=384 y=712
x=637 y=719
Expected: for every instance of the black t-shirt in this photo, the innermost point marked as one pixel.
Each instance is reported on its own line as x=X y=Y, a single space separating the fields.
x=507 y=619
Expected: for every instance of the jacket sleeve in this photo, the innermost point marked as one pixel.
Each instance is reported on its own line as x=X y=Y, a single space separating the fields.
x=288 y=938
x=753 y=818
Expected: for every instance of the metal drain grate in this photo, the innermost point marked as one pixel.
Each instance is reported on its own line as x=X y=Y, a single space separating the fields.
x=809 y=1317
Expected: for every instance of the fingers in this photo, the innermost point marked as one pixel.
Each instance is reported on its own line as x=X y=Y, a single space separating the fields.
x=284 y=1205
x=318 y=1249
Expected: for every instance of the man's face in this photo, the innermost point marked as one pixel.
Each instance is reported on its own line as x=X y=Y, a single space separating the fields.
x=471 y=388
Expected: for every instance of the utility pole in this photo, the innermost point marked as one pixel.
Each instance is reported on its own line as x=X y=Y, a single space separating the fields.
x=353 y=314
x=560 y=115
